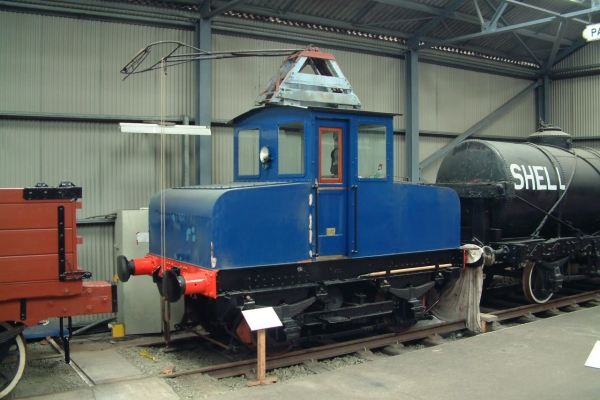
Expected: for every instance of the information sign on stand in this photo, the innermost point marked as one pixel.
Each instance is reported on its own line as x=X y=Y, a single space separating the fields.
x=259 y=320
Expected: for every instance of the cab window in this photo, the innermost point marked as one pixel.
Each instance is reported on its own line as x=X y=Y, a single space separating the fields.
x=330 y=155
x=290 y=149
x=372 y=151
x=248 y=152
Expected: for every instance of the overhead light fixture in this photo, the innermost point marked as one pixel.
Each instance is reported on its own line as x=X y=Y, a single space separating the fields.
x=190 y=130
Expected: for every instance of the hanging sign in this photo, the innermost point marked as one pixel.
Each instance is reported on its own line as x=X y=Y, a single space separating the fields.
x=591 y=32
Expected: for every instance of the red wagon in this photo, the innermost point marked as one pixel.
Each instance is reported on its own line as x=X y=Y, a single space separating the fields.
x=39 y=274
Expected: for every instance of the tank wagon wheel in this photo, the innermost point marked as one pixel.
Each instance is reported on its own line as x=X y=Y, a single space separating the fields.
x=535 y=284
x=12 y=360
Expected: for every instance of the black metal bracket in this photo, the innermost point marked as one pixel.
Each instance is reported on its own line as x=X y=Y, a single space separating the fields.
x=66 y=191
x=62 y=261
x=23 y=308
x=412 y=295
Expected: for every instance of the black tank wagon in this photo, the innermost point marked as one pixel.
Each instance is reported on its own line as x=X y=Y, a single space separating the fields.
x=534 y=205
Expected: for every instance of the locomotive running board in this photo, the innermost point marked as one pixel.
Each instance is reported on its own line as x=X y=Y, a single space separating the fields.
x=308 y=274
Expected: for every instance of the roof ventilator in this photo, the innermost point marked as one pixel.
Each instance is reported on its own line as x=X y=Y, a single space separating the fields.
x=310 y=78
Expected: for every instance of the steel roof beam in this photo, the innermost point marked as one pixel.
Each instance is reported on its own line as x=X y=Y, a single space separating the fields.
x=515 y=27
x=428 y=26
x=416 y=6
x=543 y=10
x=493 y=23
x=568 y=51
x=559 y=34
x=478 y=126
x=204 y=98
x=224 y=8
x=515 y=34
x=350 y=27
x=411 y=118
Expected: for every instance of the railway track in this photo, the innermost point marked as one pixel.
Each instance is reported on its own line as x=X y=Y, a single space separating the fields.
x=504 y=314
x=323 y=352
x=246 y=367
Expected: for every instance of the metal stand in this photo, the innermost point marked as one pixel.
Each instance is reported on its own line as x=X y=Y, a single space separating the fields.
x=165 y=312
x=66 y=339
x=261 y=361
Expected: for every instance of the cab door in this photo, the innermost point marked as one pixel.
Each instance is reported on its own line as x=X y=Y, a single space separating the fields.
x=332 y=189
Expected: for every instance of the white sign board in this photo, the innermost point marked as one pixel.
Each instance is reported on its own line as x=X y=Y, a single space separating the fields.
x=261 y=318
x=591 y=32
x=593 y=359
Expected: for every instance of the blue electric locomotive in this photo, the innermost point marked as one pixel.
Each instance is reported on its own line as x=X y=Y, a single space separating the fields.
x=314 y=224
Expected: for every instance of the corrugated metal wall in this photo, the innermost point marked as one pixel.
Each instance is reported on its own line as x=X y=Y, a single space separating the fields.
x=71 y=66
x=452 y=100
x=587 y=55
x=427 y=146
x=116 y=170
x=574 y=103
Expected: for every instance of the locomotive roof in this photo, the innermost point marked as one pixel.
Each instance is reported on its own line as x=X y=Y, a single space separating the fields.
x=256 y=110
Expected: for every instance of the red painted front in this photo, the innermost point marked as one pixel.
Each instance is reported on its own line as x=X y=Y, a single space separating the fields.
x=198 y=280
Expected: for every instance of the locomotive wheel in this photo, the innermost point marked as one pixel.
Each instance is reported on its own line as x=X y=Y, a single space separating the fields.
x=535 y=285
x=12 y=361
x=275 y=344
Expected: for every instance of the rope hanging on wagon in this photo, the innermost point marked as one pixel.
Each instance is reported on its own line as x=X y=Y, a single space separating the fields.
x=536 y=232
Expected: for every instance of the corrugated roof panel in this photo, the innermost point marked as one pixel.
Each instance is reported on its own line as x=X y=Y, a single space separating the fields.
x=334 y=9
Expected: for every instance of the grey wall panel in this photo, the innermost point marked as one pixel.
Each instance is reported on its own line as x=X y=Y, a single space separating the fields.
x=222 y=155
x=452 y=100
x=594 y=144
x=71 y=66
x=574 y=105
x=96 y=255
x=590 y=54
x=427 y=146
x=116 y=170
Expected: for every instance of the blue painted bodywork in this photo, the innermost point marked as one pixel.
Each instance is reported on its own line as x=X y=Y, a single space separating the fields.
x=270 y=219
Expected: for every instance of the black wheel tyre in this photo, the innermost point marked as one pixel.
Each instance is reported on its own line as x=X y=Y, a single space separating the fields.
x=535 y=285
x=13 y=356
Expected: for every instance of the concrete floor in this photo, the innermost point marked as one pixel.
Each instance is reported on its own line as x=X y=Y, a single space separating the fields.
x=539 y=360
x=543 y=359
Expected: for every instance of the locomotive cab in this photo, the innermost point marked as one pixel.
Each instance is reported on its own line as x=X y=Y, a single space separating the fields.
x=339 y=153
